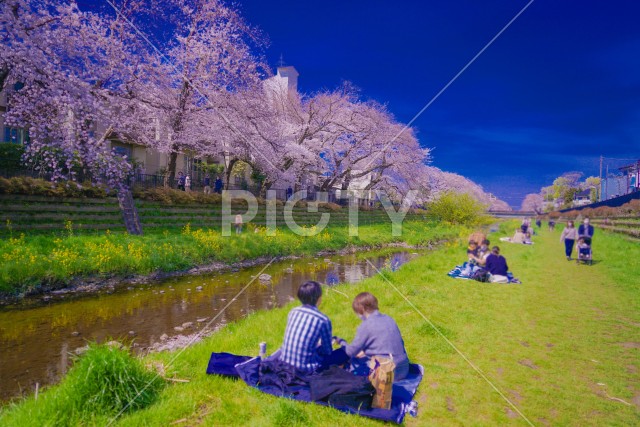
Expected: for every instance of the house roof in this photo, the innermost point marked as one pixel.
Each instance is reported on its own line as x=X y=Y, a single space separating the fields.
x=630 y=167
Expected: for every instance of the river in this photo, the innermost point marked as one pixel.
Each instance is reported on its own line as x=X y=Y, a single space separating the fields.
x=38 y=343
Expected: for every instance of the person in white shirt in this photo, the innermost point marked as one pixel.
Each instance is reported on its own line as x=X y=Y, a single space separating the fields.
x=238 y=224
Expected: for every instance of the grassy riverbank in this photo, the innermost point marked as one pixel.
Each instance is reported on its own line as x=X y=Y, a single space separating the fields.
x=29 y=262
x=563 y=347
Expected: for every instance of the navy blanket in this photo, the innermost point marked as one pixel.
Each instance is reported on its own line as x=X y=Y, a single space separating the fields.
x=247 y=369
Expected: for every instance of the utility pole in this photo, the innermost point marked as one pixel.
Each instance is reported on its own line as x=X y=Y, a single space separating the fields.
x=600 y=189
x=606 y=182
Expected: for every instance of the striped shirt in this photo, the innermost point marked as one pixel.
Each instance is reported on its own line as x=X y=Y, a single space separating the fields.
x=307 y=338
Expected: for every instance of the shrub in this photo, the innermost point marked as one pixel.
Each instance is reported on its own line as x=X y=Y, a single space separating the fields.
x=169 y=196
x=333 y=207
x=572 y=214
x=39 y=187
x=604 y=212
x=10 y=156
x=587 y=213
x=107 y=380
x=103 y=382
x=632 y=207
x=457 y=208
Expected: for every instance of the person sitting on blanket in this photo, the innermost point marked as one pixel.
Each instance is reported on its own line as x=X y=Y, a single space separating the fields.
x=377 y=335
x=472 y=250
x=518 y=237
x=307 y=337
x=483 y=252
x=497 y=265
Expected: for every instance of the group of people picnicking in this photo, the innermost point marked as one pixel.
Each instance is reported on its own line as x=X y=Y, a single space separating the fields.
x=484 y=263
x=184 y=183
x=523 y=234
x=309 y=340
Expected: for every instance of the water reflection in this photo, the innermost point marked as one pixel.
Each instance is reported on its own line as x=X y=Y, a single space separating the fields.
x=35 y=343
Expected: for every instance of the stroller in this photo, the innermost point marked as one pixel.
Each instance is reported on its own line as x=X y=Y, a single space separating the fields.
x=585 y=253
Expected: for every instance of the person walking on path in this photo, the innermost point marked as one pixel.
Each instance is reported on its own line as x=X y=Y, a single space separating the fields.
x=218 y=185
x=181 y=181
x=207 y=184
x=238 y=224
x=586 y=230
x=187 y=183
x=569 y=236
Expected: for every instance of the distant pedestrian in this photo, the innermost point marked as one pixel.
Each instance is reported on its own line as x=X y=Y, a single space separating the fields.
x=538 y=223
x=552 y=225
x=569 y=236
x=217 y=187
x=238 y=224
x=289 y=193
x=181 y=181
x=207 y=184
x=187 y=183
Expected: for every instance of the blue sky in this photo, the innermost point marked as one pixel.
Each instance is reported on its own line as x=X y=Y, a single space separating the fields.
x=559 y=88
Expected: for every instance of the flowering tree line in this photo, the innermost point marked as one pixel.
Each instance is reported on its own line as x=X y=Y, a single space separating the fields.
x=562 y=192
x=184 y=76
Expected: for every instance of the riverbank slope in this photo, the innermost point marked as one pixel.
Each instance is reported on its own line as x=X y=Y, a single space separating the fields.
x=563 y=346
x=33 y=264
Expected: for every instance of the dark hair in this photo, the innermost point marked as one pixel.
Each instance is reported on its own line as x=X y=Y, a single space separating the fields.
x=309 y=292
x=472 y=242
x=486 y=242
x=570 y=224
x=364 y=303
x=495 y=250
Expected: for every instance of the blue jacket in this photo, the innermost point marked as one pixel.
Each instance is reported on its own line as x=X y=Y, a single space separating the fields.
x=585 y=232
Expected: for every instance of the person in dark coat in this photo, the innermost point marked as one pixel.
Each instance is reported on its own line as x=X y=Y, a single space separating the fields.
x=496 y=264
x=585 y=231
x=218 y=185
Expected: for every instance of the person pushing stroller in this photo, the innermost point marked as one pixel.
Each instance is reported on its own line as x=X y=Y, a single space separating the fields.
x=585 y=236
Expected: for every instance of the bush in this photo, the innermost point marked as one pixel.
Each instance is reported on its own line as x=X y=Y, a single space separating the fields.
x=170 y=196
x=632 y=207
x=457 y=208
x=103 y=382
x=572 y=214
x=604 y=212
x=333 y=207
x=107 y=380
x=24 y=185
x=11 y=156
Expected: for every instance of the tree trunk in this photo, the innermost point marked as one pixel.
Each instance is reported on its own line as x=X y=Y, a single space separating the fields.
x=173 y=160
x=227 y=173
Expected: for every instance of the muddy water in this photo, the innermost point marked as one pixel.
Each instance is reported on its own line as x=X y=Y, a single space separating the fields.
x=37 y=343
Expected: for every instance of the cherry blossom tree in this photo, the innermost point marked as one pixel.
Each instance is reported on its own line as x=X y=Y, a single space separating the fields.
x=206 y=56
x=62 y=61
x=441 y=181
x=532 y=202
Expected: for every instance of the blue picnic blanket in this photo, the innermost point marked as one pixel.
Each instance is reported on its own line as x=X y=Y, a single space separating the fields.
x=464 y=271
x=247 y=369
x=467 y=269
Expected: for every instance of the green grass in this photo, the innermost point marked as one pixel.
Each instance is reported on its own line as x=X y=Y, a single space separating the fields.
x=30 y=261
x=104 y=382
x=558 y=346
